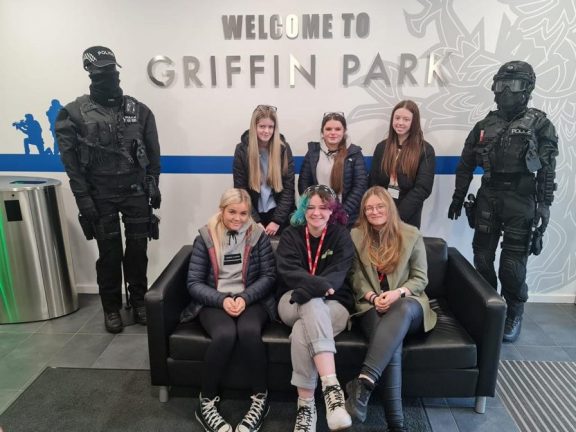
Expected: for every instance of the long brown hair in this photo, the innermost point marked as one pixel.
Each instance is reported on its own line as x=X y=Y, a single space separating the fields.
x=385 y=245
x=275 y=166
x=337 y=174
x=408 y=159
x=216 y=225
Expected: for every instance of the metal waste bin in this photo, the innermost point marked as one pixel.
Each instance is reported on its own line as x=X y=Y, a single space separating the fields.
x=36 y=278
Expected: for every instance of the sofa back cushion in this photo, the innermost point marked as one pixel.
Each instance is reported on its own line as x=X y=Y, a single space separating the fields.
x=437 y=255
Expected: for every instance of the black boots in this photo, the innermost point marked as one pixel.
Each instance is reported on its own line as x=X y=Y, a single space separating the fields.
x=512 y=328
x=359 y=391
x=139 y=313
x=113 y=322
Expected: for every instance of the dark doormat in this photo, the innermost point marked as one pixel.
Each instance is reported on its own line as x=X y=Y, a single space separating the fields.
x=86 y=400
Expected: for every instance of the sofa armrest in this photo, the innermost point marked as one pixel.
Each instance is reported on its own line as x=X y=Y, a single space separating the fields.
x=164 y=302
x=481 y=311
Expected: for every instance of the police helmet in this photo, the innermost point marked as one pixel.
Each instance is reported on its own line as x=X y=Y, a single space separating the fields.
x=516 y=75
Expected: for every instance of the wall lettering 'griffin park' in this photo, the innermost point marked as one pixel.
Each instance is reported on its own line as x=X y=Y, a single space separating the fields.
x=259 y=69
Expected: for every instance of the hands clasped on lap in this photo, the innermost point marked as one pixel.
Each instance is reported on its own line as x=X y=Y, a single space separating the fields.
x=234 y=306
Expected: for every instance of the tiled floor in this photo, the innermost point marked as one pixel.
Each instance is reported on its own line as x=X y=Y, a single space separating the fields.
x=80 y=340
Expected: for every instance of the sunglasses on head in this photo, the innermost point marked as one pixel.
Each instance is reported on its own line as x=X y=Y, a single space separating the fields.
x=310 y=190
x=333 y=114
x=265 y=107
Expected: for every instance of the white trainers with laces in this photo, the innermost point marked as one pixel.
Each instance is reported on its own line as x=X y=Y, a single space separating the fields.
x=305 y=416
x=336 y=415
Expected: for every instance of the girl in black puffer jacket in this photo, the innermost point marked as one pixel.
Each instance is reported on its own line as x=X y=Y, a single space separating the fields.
x=335 y=163
x=231 y=279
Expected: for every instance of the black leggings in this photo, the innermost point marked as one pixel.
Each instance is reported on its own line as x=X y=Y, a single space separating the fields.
x=386 y=334
x=225 y=332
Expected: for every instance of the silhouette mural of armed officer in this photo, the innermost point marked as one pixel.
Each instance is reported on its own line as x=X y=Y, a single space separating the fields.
x=51 y=114
x=517 y=147
x=33 y=131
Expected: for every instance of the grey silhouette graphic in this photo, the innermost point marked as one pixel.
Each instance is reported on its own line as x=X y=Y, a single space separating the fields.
x=540 y=32
x=52 y=113
x=33 y=131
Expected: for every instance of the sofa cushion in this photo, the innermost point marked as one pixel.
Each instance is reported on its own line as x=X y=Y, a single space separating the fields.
x=448 y=346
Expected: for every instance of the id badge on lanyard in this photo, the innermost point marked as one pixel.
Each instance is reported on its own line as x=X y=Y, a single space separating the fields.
x=394 y=191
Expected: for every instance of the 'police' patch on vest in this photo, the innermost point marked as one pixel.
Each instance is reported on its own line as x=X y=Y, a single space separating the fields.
x=231 y=259
x=520 y=131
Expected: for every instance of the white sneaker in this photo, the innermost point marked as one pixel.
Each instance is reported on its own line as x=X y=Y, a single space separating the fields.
x=305 y=416
x=336 y=415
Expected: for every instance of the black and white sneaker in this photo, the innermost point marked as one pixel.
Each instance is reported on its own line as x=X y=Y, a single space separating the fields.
x=209 y=417
x=252 y=421
x=336 y=415
x=305 y=416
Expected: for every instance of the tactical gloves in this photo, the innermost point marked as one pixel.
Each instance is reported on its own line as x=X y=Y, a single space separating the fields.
x=153 y=192
x=87 y=207
x=542 y=216
x=455 y=209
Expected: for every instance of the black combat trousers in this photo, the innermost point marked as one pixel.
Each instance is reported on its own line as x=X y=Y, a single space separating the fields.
x=507 y=212
x=113 y=258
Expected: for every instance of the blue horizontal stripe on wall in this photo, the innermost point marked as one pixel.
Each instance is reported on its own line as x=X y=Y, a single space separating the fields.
x=178 y=164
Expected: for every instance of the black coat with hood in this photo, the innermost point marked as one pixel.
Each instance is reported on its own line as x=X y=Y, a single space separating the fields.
x=355 y=180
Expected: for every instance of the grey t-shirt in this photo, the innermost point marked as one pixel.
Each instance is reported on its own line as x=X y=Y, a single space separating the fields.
x=230 y=274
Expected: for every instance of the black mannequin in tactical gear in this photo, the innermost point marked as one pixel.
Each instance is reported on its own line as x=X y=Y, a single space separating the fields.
x=517 y=148
x=109 y=148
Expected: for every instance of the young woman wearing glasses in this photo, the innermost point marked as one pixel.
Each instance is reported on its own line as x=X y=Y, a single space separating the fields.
x=264 y=167
x=335 y=162
x=388 y=277
x=404 y=163
x=313 y=259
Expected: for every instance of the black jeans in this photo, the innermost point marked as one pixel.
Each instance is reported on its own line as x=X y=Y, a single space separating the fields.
x=113 y=259
x=225 y=332
x=386 y=333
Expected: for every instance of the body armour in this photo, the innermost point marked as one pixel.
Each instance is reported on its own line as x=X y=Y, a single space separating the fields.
x=509 y=147
x=110 y=149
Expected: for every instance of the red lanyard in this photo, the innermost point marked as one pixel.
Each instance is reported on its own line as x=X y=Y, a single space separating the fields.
x=381 y=276
x=312 y=267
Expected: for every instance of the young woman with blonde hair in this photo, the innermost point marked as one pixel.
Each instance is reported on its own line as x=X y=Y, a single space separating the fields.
x=388 y=277
x=263 y=166
x=231 y=279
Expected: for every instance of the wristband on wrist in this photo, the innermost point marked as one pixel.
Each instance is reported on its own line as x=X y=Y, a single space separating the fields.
x=372 y=298
x=402 y=292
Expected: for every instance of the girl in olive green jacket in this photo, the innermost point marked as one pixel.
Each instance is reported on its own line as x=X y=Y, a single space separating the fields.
x=388 y=276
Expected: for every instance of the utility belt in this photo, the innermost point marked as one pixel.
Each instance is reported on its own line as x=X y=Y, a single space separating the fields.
x=524 y=184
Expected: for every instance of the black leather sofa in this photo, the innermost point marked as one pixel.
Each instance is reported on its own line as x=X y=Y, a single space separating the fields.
x=459 y=358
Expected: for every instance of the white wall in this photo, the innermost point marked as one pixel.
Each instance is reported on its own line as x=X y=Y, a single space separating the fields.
x=41 y=45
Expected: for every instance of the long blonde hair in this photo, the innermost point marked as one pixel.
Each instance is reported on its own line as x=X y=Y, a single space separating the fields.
x=216 y=226
x=275 y=165
x=383 y=246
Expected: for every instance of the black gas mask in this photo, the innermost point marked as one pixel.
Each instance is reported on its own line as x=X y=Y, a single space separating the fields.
x=105 y=88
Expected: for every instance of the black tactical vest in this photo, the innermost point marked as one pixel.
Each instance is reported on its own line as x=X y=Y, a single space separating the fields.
x=111 y=149
x=510 y=147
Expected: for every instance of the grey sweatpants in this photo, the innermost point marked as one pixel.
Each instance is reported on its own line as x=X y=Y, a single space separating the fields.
x=314 y=325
